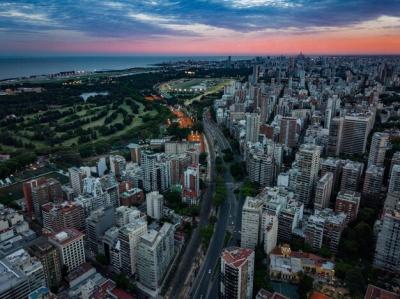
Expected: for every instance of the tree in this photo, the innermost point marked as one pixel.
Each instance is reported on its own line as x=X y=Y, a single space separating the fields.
x=355 y=282
x=101 y=259
x=203 y=158
x=305 y=285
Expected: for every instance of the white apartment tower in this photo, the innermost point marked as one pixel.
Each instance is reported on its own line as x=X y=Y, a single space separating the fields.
x=252 y=127
x=155 y=204
x=379 y=146
x=251 y=222
x=323 y=191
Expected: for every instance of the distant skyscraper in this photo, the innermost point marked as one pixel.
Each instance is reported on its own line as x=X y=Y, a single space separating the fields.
x=237 y=273
x=287 y=134
x=387 y=250
x=252 y=127
x=379 y=146
x=323 y=191
x=155 y=205
x=251 y=221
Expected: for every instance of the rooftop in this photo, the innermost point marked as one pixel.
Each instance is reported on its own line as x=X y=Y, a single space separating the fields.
x=236 y=256
x=66 y=235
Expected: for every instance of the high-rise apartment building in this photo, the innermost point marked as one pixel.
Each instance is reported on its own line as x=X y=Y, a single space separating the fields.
x=27 y=189
x=117 y=165
x=395 y=161
x=394 y=182
x=335 y=136
x=348 y=202
x=128 y=237
x=356 y=129
x=314 y=232
x=252 y=127
x=323 y=191
x=269 y=231
x=379 y=146
x=155 y=253
x=334 y=166
x=287 y=133
x=251 y=221
x=307 y=165
x=76 y=177
x=191 y=185
x=68 y=214
x=261 y=168
x=46 y=192
x=373 y=181
x=20 y=274
x=387 y=250
x=155 y=205
x=135 y=150
x=156 y=171
x=49 y=256
x=351 y=176
x=237 y=273
x=98 y=222
x=69 y=243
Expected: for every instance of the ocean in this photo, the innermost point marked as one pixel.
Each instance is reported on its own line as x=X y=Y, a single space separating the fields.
x=14 y=67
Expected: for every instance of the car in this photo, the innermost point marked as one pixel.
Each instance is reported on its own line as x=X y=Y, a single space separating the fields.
x=209 y=271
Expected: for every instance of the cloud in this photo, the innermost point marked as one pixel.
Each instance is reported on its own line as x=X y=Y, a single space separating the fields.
x=194 y=19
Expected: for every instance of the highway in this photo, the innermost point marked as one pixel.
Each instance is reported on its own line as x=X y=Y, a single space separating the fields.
x=229 y=216
x=177 y=286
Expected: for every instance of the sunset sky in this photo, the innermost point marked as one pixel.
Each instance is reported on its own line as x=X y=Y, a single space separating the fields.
x=200 y=27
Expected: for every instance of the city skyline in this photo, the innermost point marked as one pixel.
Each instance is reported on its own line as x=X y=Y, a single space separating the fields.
x=215 y=27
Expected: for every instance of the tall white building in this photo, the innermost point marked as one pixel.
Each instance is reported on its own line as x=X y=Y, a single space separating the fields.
x=394 y=183
x=76 y=176
x=191 y=185
x=379 y=146
x=270 y=232
x=117 y=165
x=307 y=166
x=252 y=127
x=155 y=253
x=314 y=232
x=128 y=237
x=69 y=243
x=156 y=171
x=251 y=222
x=323 y=191
x=387 y=250
x=237 y=273
x=155 y=205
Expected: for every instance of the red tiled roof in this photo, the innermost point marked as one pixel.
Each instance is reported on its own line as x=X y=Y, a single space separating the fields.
x=374 y=292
